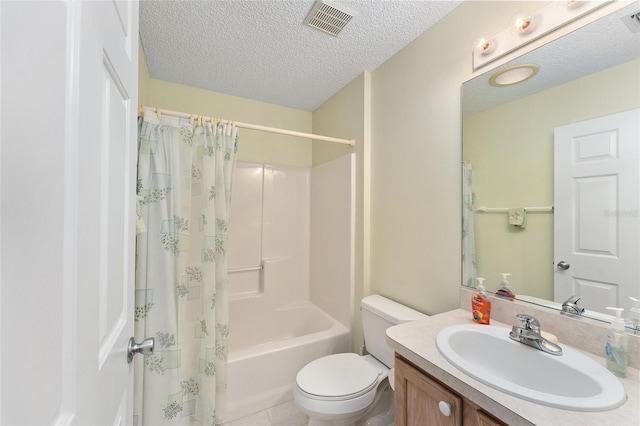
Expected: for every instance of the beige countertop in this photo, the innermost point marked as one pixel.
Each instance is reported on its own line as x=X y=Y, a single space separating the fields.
x=416 y=341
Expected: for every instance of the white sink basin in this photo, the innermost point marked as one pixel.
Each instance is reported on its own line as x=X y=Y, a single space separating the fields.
x=570 y=381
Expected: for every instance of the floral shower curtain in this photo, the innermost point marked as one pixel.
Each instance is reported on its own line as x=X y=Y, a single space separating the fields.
x=468 y=236
x=184 y=193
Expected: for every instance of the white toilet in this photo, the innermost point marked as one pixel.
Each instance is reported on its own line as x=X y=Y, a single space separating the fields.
x=349 y=389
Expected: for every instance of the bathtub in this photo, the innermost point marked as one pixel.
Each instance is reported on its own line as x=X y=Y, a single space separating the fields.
x=267 y=348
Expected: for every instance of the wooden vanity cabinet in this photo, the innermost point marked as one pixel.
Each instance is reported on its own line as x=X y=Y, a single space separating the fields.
x=421 y=400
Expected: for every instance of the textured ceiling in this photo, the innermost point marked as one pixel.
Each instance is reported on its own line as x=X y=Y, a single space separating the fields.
x=262 y=50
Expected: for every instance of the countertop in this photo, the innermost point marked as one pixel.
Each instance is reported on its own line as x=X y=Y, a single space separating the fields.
x=416 y=341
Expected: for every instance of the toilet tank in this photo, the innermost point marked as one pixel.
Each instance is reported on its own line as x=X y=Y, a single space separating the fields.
x=378 y=314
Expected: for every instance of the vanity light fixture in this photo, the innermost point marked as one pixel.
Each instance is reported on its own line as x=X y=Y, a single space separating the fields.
x=513 y=75
x=527 y=27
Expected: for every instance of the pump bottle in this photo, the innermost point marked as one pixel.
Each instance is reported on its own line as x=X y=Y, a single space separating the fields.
x=616 y=348
x=480 y=304
x=504 y=290
x=634 y=315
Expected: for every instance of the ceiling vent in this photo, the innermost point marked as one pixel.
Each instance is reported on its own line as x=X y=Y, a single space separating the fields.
x=632 y=22
x=329 y=17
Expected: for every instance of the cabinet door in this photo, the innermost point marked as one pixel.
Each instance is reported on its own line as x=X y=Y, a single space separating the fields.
x=486 y=420
x=472 y=415
x=421 y=400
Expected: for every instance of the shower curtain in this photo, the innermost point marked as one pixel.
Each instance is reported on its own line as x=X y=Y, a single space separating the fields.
x=184 y=193
x=468 y=236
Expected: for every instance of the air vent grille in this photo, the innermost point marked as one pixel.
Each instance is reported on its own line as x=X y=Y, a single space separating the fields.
x=632 y=22
x=329 y=17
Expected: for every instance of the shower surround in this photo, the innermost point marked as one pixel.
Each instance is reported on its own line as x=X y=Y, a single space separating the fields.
x=291 y=276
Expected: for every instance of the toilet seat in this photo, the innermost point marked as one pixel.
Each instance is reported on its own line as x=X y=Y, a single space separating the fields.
x=337 y=377
x=338 y=385
x=349 y=388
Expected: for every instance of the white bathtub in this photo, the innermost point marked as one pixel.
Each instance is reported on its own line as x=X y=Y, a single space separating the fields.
x=268 y=348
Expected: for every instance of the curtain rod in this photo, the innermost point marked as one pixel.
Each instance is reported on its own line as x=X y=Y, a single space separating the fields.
x=193 y=117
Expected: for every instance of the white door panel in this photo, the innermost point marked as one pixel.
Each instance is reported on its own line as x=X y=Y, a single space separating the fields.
x=33 y=274
x=107 y=98
x=69 y=95
x=596 y=221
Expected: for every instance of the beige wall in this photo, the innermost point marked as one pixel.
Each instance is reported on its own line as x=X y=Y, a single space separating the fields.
x=347 y=115
x=255 y=146
x=415 y=166
x=143 y=78
x=511 y=148
x=416 y=154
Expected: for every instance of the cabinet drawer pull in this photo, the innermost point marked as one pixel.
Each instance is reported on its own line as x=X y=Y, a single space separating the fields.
x=445 y=408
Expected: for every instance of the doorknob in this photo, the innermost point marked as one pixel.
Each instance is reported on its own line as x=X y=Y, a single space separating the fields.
x=563 y=266
x=145 y=348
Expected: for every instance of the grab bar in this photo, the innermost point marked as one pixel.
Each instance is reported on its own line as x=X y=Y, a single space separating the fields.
x=484 y=209
x=246 y=269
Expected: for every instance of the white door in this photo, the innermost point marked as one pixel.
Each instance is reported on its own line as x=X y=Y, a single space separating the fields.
x=68 y=153
x=597 y=211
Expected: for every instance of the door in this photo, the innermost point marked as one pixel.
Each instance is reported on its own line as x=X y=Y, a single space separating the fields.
x=69 y=95
x=597 y=211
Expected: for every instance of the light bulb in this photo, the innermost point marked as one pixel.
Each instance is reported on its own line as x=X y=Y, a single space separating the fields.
x=525 y=24
x=574 y=4
x=513 y=75
x=485 y=46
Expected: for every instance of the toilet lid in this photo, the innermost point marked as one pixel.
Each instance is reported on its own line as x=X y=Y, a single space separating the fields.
x=338 y=376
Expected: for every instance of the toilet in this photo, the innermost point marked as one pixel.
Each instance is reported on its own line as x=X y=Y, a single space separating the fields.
x=350 y=389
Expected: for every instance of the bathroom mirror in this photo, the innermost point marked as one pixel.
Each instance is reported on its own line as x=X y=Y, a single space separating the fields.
x=508 y=142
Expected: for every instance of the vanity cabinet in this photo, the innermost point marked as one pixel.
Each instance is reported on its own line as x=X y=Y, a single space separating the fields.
x=422 y=400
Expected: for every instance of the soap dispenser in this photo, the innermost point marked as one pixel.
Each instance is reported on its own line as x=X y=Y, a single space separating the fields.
x=634 y=315
x=480 y=304
x=504 y=290
x=617 y=345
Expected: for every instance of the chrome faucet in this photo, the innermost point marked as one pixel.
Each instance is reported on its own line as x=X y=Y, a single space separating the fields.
x=570 y=306
x=529 y=334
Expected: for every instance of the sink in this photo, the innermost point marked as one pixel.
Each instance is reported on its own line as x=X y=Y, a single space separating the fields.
x=571 y=381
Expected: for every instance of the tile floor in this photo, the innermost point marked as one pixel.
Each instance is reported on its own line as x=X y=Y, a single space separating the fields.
x=286 y=414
